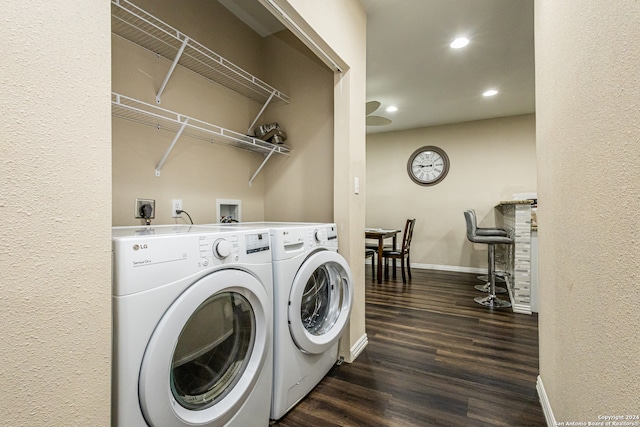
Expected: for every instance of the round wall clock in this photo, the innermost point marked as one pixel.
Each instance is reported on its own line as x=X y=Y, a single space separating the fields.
x=428 y=165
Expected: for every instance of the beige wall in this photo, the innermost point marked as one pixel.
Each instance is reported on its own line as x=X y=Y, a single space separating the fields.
x=55 y=201
x=300 y=186
x=490 y=160
x=198 y=172
x=588 y=121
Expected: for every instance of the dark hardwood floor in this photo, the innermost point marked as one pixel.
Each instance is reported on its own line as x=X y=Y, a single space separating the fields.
x=434 y=358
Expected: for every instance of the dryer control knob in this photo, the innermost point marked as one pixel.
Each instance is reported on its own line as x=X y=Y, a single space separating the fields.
x=221 y=248
x=317 y=236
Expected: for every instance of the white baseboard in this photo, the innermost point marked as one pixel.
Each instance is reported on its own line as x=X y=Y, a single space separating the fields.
x=544 y=401
x=455 y=268
x=357 y=348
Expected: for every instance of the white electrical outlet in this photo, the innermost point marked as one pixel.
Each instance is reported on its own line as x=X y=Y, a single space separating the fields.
x=176 y=204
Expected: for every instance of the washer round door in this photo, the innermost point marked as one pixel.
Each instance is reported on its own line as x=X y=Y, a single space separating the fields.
x=207 y=352
x=320 y=302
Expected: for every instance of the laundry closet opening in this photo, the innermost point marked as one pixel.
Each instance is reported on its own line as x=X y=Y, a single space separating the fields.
x=196 y=168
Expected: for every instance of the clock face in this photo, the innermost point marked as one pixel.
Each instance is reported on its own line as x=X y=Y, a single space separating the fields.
x=428 y=165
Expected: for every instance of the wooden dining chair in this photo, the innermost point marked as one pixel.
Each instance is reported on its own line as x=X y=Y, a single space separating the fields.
x=402 y=254
x=371 y=253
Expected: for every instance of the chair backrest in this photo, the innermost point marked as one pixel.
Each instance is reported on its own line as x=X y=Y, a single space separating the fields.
x=408 y=235
x=470 y=218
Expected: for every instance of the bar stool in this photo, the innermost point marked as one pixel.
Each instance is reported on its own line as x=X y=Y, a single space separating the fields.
x=490 y=300
x=488 y=231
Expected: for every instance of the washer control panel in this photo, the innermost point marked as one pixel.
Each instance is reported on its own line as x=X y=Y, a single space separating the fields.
x=222 y=248
x=258 y=242
x=294 y=239
x=332 y=233
x=145 y=258
x=323 y=236
x=232 y=248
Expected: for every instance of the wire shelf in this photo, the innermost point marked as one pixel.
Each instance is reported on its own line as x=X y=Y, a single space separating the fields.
x=143 y=29
x=137 y=111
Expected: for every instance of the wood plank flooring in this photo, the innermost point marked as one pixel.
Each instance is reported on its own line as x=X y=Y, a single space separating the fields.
x=434 y=358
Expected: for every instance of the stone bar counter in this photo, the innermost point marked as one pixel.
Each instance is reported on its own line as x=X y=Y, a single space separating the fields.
x=519 y=260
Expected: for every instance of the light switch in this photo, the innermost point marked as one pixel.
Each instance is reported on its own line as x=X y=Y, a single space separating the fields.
x=356 y=185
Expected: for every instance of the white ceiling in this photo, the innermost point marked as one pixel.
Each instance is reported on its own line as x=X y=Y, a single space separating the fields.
x=410 y=64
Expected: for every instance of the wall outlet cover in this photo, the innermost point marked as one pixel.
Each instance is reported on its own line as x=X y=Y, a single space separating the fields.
x=176 y=204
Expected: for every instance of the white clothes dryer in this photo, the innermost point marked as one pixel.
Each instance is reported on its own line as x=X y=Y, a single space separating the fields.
x=192 y=326
x=313 y=295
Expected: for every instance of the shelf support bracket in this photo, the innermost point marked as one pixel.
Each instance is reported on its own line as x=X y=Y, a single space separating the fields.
x=173 y=67
x=263 y=163
x=250 y=130
x=175 y=139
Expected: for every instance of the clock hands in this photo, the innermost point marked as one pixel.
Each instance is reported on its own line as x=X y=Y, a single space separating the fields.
x=430 y=165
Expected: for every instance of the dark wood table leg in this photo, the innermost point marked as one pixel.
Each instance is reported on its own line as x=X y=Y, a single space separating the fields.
x=395 y=239
x=380 y=248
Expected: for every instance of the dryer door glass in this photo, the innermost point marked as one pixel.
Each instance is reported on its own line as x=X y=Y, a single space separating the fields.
x=212 y=351
x=320 y=302
x=323 y=298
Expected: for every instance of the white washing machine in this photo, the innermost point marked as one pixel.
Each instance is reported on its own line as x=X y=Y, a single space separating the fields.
x=313 y=295
x=192 y=319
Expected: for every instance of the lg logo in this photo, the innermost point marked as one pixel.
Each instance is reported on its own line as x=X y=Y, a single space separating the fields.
x=139 y=247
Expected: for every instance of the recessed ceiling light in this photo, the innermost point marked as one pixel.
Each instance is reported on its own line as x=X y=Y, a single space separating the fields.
x=460 y=42
x=392 y=109
x=490 y=92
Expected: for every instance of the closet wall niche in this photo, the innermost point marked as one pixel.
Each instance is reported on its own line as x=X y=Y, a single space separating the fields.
x=215 y=155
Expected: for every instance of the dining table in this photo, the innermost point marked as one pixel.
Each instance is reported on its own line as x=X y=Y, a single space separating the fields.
x=381 y=234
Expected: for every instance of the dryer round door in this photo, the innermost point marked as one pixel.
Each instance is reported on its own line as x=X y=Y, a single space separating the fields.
x=207 y=352
x=320 y=302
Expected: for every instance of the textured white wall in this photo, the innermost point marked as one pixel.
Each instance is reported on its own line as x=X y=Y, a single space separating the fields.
x=588 y=133
x=490 y=160
x=55 y=202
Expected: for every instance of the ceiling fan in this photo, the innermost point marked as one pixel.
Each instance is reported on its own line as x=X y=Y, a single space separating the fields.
x=371 y=107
